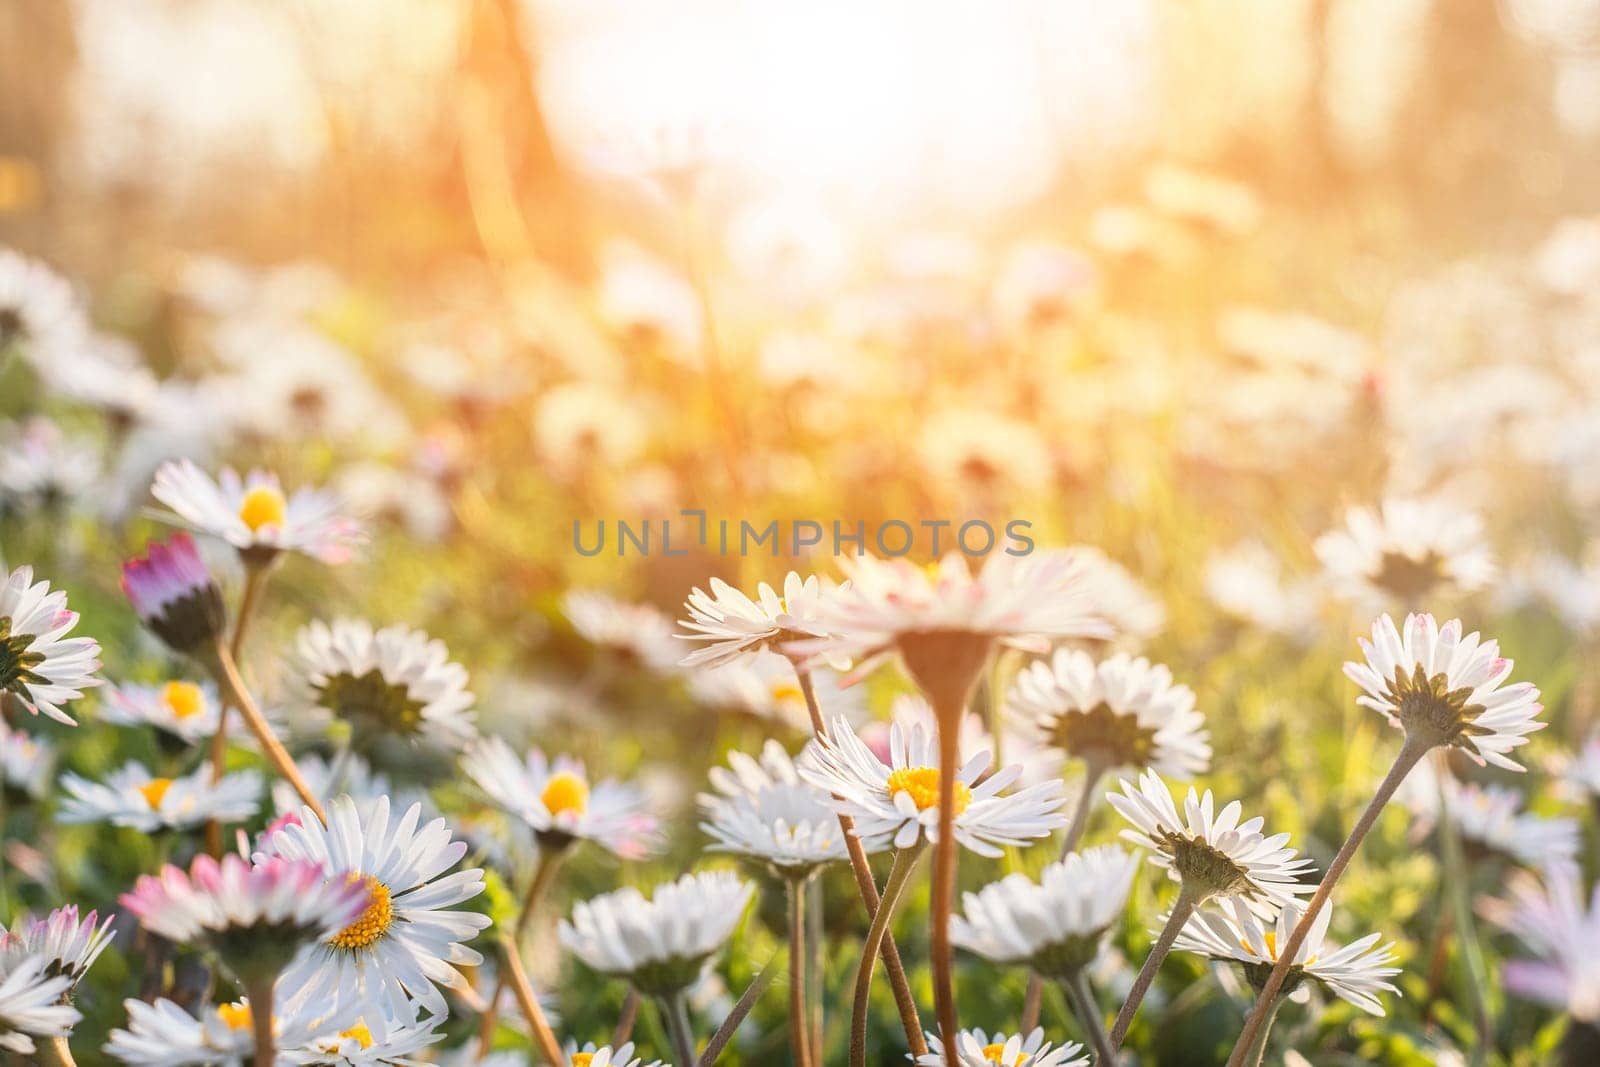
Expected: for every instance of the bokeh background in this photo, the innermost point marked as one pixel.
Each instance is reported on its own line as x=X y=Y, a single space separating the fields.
x=1181 y=281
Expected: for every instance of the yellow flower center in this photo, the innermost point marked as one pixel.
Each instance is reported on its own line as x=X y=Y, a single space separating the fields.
x=154 y=791
x=993 y=1054
x=922 y=783
x=373 y=923
x=360 y=1032
x=263 y=506
x=184 y=698
x=786 y=693
x=237 y=1016
x=582 y=1059
x=565 y=792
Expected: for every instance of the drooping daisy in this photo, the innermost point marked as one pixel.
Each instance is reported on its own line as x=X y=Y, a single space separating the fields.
x=67 y=944
x=254 y=515
x=1446 y=689
x=132 y=796
x=255 y=916
x=975 y=1048
x=31 y=1004
x=661 y=945
x=727 y=625
x=1356 y=973
x=1212 y=850
x=1549 y=915
x=186 y=710
x=27 y=765
x=1120 y=712
x=762 y=809
x=557 y=800
x=640 y=632
x=40 y=666
x=591 y=1055
x=40 y=317
x=1054 y=926
x=898 y=803
x=405 y=943
x=1406 y=551
x=174 y=595
x=1489 y=818
x=391 y=681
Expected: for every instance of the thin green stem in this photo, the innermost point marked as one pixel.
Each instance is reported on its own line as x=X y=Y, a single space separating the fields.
x=1456 y=883
x=255 y=581
x=1189 y=898
x=226 y=674
x=1258 y=1049
x=814 y=930
x=944 y=874
x=55 y=1052
x=675 y=1013
x=1087 y=1009
x=1093 y=771
x=905 y=861
x=799 y=1018
x=544 y=876
x=260 y=994
x=740 y=1012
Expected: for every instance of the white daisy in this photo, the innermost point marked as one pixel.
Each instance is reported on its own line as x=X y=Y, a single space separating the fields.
x=727 y=624
x=350 y=774
x=974 y=1048
x=1446 y=689
x=766 y=687
x=762 y=809
x=132 y=796
x=313 y=1037
x=641 y=632
x=898 y=803
x=1055 y=926
x=43 y=468
x=1489 y=818
x=1581 y=772
x=664 y=944
x=1131 y=610
x=254 y=516
x=391 y=681
x=26 y=764
x=186 y=710
x=31 y=1004
x=67 y=944
x=1248 y=582
x=405 y=943
x=40 y=666
x=1121 y=712
x=1039 y=763
x=1549 y=915
x=1406 y=551
x=1356 y=973
x=163 y=1034
x=1211 y=850
x=591 y=1055
x=557 y=800
x=40 y=316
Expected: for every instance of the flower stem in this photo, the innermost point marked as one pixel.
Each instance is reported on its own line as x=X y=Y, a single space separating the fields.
x=675 y=1012
x=1092 y=773
x=1410 y=752
x=905 y=861
x=543 y=1036
x=910 y=1021
x=260 y=994
x=944 y=873
x=815 y=904
x=255 y=580
x=1258 y=1050
x=543 y=877
x=226 y=673
x=740 y=1012
x=1456 y=876
x=1076 y=986
x=625 y=1019
x=799 y=1018
x=1189 y=898
x=55 y=1052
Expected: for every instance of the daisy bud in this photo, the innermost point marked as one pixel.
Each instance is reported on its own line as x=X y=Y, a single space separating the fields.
x=175 y=596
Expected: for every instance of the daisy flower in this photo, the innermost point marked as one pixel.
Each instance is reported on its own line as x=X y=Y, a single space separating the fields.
x=1489 y=818
x=661 y=945
x=350 y=774
x=31 y=1004
x=256 y=917
x=640 y=632
x=1056 y=925
x=1446 y=689
x=728 y=625
x=174 y=595
x=186 y=710
x=1581 y=772
x=405 y=943
x=40 y=316
x=557 y=800
x=350 y=1042
x=390 y=681
x=765 y=686
x=974 y=1048
x=898 y=803
x=1248 y=582
x=26 y=763
x=762 y=809
x=40 y=666
x=41 y=467
x=67 y=945
x=1120 y=712
x=1127 y=606
x=1356 y=973
x=1406 y=551
x=253 y=514
x=134 y=797
x=162 y=1034
x=606 y=1056
x=1210 y=850
x=1549 y=915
